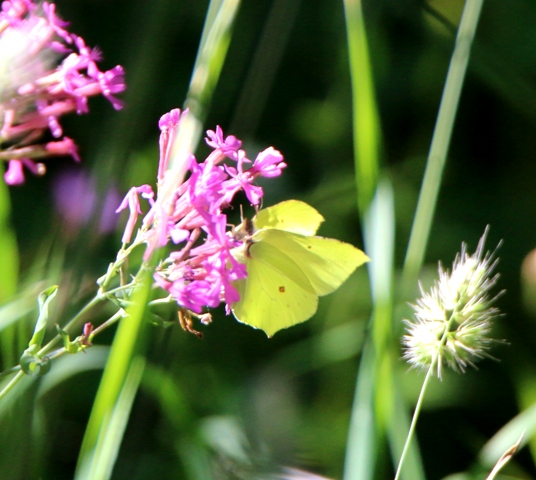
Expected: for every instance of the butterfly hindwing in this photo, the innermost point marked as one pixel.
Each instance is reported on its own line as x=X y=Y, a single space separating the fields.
x=288 y=267
x=276 y=293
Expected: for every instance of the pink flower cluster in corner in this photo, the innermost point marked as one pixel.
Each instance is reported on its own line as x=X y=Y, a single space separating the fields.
x=45 y=72
x=200 y=272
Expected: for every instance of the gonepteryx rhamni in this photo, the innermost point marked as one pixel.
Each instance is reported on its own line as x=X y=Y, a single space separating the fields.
x=288 y=266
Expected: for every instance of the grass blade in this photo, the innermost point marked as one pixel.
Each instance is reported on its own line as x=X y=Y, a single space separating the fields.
x=440 y=144
x=123 y=354
x=366 y=127
x=370 y=404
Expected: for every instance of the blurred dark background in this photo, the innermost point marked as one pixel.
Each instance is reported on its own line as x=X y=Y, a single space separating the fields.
x=235 y=397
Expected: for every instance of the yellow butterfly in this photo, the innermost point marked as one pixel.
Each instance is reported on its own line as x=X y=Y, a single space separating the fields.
x=288 y=266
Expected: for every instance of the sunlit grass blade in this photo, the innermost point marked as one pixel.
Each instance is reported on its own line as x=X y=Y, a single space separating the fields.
x=391 y=415
x=366 y=126
x=435 y=165
x=368 y=414
x=440 y=145
x=211 y=55
x=361 y=447
x=210 y=58
x=107 y=448
x=364 y=430
x=9 y=259
x=125 y=350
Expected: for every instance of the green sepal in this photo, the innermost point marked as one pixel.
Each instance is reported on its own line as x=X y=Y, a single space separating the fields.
x=122 y=302
x=34 y=366
x=158 y=320
x=73 y=346
x=44 y=299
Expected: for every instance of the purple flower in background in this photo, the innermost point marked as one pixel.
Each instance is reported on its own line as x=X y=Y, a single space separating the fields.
x=45 y=72
x=75 y=198
x=200 y=271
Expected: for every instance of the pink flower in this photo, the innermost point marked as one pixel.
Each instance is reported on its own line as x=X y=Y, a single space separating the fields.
x=132 y=201
x=228 y=146
x=63 y=147
x=15 y=172
x=168 y=124
x=41 y=87
x=200 y=271
x=269 y=163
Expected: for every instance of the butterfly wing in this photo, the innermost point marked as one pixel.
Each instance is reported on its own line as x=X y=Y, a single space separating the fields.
x=276 y=293
x=288 y=267
x=291 y=216
x=326 y=262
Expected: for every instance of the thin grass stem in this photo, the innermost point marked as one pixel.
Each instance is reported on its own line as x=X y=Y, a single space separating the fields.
x=11 y=384
x=416 y=414
x=431 y=184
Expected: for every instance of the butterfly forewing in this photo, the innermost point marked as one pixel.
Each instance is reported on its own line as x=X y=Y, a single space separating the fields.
x=326 y=262
x=291 y=216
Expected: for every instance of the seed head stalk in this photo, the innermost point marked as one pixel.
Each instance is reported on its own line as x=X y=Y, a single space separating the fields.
x=451 y=322
x=429 y=374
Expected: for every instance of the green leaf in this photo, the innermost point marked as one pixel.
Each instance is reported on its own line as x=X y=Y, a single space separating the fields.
x=30 y=362
x=44 y=299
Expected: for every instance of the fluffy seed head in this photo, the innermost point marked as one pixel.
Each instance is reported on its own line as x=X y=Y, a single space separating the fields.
x=452 y=321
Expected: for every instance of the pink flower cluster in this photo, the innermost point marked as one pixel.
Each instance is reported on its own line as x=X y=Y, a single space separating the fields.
x=200 y=273
x=35 y=91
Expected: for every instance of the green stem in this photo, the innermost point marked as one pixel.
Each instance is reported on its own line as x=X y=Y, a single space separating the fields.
x=11 y=384
x=111 y=321
x=99 y=297
x=440 y=144
x=366 y=124
x=416 y=414
x=9 y=371
x=50 y=345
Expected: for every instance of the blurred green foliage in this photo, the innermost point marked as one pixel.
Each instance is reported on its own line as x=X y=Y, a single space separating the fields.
x=236 y=403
